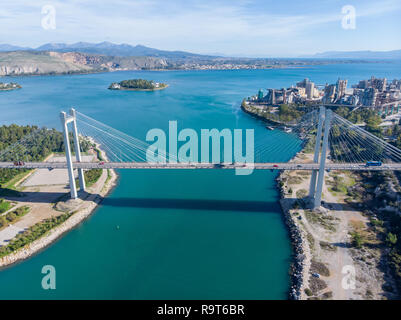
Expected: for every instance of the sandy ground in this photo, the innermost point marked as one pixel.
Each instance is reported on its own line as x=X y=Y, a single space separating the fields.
x=46 y=200
x=342 y=217
x=52 y=177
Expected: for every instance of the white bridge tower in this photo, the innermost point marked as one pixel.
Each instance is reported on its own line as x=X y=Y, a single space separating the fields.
x=315 y=189
x=65 y=120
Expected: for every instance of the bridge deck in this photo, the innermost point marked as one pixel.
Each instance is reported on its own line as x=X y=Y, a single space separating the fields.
x=145 y=165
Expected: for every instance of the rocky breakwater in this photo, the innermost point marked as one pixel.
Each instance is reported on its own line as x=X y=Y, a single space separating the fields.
x=298 y=243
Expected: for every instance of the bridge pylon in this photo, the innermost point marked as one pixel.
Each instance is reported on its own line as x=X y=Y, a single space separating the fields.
x=312 y=187
x=65 y=120
x=316 y=188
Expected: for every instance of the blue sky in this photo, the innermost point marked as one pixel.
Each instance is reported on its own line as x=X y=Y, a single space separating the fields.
x=285 y=28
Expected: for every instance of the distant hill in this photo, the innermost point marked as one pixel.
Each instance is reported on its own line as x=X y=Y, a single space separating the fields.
x=51 y=62
x=110 y=49
x=378 y=55
x=9 y=47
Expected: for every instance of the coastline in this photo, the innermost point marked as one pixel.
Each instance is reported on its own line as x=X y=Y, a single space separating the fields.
x=301 y=255
x=57 y=232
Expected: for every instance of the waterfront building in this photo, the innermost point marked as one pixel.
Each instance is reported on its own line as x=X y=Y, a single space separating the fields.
x=341 y=88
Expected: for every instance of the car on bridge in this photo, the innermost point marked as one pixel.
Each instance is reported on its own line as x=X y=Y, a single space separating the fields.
x=374 y=164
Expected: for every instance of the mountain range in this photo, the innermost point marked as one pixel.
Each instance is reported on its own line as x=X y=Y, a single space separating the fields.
x=124 y=50
x=108 y=48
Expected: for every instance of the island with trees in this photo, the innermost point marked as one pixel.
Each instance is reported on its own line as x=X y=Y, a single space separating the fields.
x=9 y=86
x=138 y=85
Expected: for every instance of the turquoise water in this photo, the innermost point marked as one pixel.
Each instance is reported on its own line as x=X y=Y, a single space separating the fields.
x=182 y=234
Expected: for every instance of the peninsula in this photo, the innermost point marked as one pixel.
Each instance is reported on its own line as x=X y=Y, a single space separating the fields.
x=33 y=212
x=138 y=85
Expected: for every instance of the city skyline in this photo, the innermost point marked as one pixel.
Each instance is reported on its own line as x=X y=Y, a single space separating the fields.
x=235 y=28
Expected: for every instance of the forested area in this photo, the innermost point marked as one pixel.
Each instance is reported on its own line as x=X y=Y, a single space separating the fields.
x=29 y=143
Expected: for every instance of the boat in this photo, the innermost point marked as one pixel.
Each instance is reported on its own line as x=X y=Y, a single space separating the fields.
x=270 y=128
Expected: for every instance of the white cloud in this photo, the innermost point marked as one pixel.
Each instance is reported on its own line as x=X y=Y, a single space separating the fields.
x=201 y=26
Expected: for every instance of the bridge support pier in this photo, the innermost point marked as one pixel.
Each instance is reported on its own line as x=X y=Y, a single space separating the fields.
x=77 y=149
x=320 y=180
x=312 y=187
x=64 y=123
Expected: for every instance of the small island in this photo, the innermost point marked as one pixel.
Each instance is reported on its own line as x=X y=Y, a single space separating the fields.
x=138 y=85
x=9 y=86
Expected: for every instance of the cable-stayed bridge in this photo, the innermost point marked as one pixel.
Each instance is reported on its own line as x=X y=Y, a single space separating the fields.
x=333 y=143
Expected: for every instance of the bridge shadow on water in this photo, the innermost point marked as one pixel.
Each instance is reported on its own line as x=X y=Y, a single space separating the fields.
x=152 y=203
x=194 y=204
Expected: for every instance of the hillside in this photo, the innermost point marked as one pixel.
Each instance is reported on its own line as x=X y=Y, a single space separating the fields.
x=40 y=63
x=27 y=63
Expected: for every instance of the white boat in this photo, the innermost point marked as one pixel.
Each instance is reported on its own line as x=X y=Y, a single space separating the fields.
x=270 y=128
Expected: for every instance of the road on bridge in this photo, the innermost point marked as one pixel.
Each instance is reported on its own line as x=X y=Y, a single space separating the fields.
x=256 y=166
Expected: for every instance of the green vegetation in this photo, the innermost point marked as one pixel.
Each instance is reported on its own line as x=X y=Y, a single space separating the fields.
x=308 y=292
x=4 y=205
x=137 y=84
x=9 y=86
x=391 y=239
x=326 y=221
x=362 y=115
x=41 y=143
x=13 y=216
x=92 y=175
x=33 y=233
x=288 y=113
x=357 y=240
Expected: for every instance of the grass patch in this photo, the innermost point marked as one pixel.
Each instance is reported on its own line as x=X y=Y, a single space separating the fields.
x=4 y=205
x=294 y=180
x=311 y=241
x=92 y=176
x=33 y=233
x=320 y=268
x=302 y=193
x=318 y=218
x=13 y=216
x=308 y=292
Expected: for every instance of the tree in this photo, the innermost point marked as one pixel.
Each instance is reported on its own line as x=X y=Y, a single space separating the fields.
x=391 y=239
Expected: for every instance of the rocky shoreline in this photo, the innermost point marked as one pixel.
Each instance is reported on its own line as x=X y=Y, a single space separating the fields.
x=298 y=243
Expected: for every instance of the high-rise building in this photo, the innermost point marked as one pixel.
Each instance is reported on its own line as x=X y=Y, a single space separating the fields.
x=369 y=97
x=272 y=96
x=341 y=87
x=310 y=90
x=329 y=93
x=260 y=94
